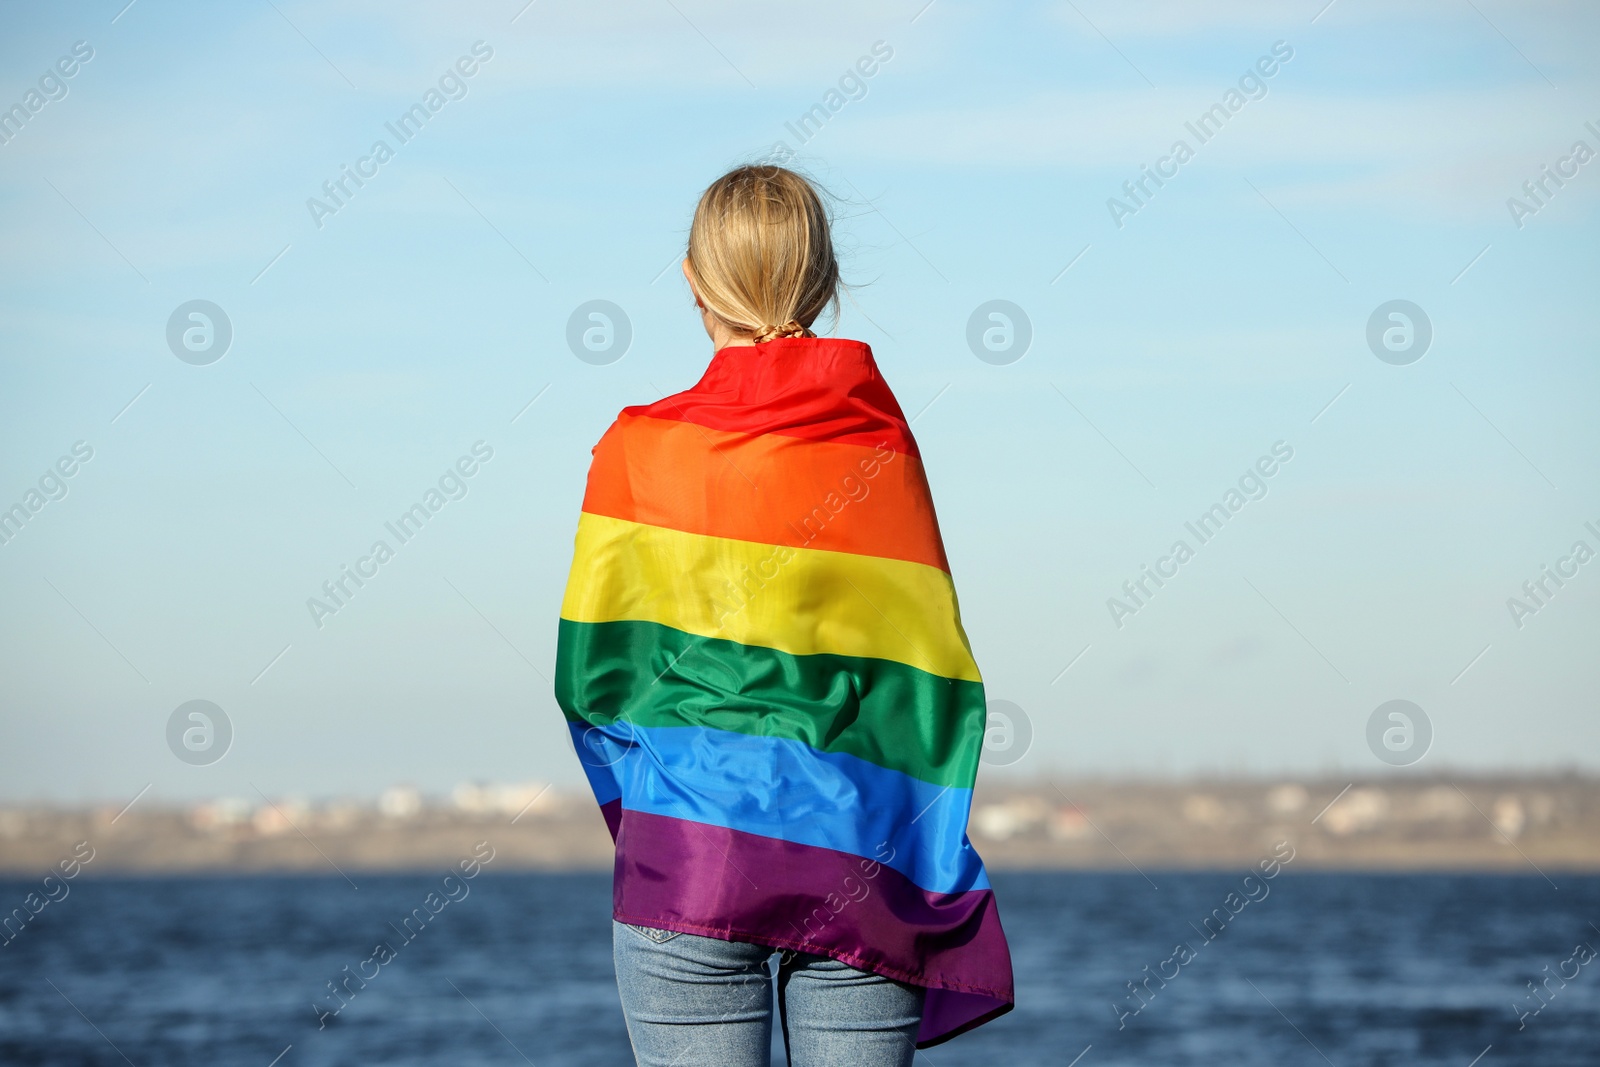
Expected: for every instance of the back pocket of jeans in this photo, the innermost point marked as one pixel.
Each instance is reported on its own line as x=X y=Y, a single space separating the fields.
x=658 y=936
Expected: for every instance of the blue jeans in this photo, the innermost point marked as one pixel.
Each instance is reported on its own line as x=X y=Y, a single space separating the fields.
x=692 y=1001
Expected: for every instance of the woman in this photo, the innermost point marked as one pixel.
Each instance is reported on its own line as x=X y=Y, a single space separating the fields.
x=762 y=663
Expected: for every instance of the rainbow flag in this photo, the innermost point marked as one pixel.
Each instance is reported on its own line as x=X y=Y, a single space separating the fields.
x=762 y=664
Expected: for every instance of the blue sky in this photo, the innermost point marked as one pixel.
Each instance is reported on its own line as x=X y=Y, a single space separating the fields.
x=370 y=353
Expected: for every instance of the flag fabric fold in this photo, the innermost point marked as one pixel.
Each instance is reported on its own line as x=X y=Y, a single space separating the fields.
x=763 y=669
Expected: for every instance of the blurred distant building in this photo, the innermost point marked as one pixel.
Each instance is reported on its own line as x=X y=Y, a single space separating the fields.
x=400 y=802
x=477 y=798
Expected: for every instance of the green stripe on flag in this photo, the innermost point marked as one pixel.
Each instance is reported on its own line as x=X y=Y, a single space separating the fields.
x=654 y=675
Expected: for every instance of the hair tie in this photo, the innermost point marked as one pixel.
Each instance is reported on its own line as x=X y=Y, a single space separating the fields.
x=792 y=328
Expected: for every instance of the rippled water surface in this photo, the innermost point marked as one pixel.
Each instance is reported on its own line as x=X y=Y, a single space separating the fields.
x=1351 y=970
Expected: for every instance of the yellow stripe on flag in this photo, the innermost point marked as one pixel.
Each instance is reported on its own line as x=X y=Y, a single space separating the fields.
x=798 y=600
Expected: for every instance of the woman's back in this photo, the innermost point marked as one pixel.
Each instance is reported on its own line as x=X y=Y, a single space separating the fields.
x=762 y=662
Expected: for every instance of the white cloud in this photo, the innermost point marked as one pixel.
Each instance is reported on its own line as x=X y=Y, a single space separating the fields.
x=1171 y=18
x=1451 y=152
x=687 y=43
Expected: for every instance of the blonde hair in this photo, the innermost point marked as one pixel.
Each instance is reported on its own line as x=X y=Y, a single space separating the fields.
x=761 y=252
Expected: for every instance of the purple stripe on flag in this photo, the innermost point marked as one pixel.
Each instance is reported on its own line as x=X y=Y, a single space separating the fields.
x=674 y=874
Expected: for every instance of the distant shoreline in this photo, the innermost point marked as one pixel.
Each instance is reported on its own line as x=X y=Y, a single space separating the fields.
x=1537 y=826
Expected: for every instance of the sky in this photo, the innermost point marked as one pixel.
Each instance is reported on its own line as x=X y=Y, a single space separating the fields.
x=1231 y=317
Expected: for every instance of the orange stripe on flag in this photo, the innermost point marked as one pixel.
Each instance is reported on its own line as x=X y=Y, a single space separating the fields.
x=769 y=488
